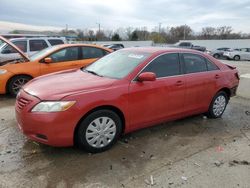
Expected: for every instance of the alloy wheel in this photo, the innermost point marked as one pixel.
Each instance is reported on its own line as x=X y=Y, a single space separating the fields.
x=219 y=105
x=17 y=84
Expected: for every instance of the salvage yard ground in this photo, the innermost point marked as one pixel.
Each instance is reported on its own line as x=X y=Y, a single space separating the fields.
x=192 y=152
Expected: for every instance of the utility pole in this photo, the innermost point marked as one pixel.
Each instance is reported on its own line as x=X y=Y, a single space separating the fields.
x=159 y=33
x=99 y=27
x=159 y=28
x=184 y=37
x=66 y=29
x=99 y=30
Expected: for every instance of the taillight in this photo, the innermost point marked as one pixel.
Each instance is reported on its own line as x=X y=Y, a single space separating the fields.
x=237 y=75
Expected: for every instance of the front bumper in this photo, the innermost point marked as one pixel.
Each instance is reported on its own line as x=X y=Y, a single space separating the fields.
x=55 y=129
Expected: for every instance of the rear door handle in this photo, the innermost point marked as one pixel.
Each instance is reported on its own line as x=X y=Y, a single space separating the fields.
x=179 y=83
x=217 y=76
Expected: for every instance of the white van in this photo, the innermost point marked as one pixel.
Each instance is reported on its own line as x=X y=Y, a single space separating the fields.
x=28 y=45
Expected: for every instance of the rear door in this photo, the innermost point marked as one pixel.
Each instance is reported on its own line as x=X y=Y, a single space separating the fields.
x=65 y=58
x=157 y=100
x=201 y=76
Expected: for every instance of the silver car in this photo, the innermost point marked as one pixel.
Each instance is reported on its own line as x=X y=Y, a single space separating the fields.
x=28 y=45
x=218 y=53
x=238 y=54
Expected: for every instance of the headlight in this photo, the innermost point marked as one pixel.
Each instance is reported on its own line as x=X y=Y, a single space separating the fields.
x=2 y=71
x=53 y=106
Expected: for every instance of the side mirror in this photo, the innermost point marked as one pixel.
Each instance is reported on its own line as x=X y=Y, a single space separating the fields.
x=146 y=76
x=48 y=60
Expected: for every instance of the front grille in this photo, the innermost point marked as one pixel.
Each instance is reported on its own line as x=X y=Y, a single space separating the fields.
x=22 y=102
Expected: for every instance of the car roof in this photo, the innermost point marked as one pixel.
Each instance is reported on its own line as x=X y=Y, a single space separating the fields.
x=154 y=50
x=88 y=45
x=37 y=38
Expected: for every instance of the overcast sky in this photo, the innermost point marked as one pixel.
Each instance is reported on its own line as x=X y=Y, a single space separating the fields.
x=112 y=14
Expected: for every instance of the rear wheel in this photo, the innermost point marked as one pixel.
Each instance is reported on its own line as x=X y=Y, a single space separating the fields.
x=218 y=105
x=99 y=131
x=237 y=58
x=16 y=83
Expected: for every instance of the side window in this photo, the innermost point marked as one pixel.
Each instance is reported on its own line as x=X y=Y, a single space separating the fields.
x=211 y=66
x=8 y=50
x=92 y=52
x=54 y=42
x=243 y=49
x=37 y=45
x=165 y=65
x=194 y=63
x=22 y=45
x=66 y=54
x=184 y=44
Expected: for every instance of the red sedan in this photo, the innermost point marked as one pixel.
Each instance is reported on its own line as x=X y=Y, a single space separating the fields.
x=127 y=90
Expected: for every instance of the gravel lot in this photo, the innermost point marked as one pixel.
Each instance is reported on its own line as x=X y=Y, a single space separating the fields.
x=192 y=152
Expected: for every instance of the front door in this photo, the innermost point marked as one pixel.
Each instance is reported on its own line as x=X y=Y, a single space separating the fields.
x=66 y=58
x=155 y=101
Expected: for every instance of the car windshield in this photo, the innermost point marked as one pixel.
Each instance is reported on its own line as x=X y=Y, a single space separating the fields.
x=41 y=53
x=117 y=64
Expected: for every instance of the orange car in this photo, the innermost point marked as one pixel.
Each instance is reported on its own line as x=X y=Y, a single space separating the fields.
x=15 y=73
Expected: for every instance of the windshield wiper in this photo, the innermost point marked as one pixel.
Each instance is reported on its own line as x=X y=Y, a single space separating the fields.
x=92 y=72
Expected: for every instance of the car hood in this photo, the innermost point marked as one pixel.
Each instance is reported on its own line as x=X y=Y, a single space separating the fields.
x=15 y=47
x=59 y=85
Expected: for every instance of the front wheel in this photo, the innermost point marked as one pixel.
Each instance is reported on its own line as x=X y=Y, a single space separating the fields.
x=99 y=131
x=218 y=105
x=16 y=83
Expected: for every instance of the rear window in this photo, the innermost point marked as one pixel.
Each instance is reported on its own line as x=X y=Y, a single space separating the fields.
x=37 y=45
x=194 y=63
x=55 y=42
x=92 y=52
x=211 y=66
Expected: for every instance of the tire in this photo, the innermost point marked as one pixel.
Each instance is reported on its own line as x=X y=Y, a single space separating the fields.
x=93 y=137
x=15 y=84
x=217 y=56
x=237 y=58
x=218 y=105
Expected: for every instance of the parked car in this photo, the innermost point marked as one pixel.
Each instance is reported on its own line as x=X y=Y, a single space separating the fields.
x=28 y=45
x=218 y=53
x=238 y=54
x=15 y=73
x=114 y=46
x=124 y=91
x=189 y=45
